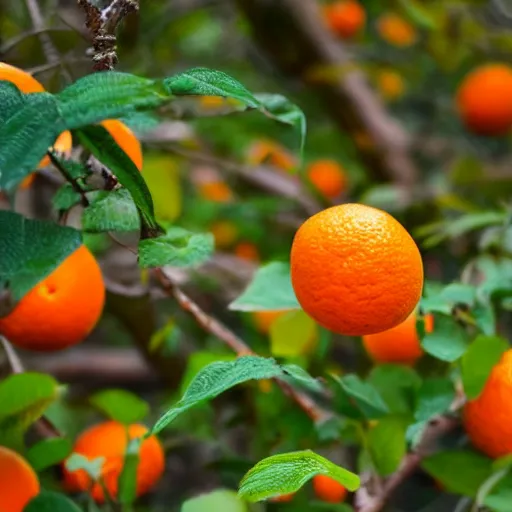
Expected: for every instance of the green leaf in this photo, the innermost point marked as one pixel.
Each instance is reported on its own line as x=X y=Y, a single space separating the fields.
x=26 y=137
x=11 y=100
x=111 y=211
x=270 y=289
x=418 y=14
x=460 y=471
x=283 y=110
x=397 y=385
x=387 y=444
x=65 y=198
x=120 y=405
x=24 y=398
x=293 y=334
x=101 y=144
x=287 y=472
x=448 y=341
x=107 y=95
x=483 y=354
x=92 y=467
x=49 y=452
x=209 y=82
x=128 y=478
x=363 y=395
x=197 y=361
x=435 y=396
x=220 y=499
x=458 y=293
x=30 y=250
x=49 y=501
x=297 y=375
x=178 y=248
x=216 y=378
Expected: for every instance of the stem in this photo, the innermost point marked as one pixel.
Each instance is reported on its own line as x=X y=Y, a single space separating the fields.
x=69 y=179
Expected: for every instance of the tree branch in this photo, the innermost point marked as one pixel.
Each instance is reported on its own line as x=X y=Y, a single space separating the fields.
x=296 y=39
x=50 y=51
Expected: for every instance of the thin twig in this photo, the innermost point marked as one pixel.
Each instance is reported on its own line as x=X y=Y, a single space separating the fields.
x=14 y=41
x=217 y=329
x=49 y=49
x=83 y=198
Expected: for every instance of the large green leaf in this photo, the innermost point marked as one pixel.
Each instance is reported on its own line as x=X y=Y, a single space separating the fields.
x=24 y=398
x=49 y=452
x=30 y=250
x=221 y=499
x=448 y=341
x=26 y=136
x=287 y=472
x=49 y=501
x=387 y=444
x=209 y=82
x=478 y=361
x=111 y=211
x=270 y=289
x=107 y=95
x=435 y=396
x=101 y=144
x=120 y=405
x=216 y=378
x=11 y=100
x=178 y=248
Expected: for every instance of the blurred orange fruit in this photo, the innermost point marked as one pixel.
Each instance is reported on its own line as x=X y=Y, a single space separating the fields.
x=329 y=490
x=225 y=233
x=488 y=418
x=400 y=344
x=216 y=191
x=390 y=84
x=284 y=498
x=484 y=99
x=125 y=139
x=356 y=270
x=263 y=320
x=27 y=84
x=247 y=251
x=328 y=177
x=270 y=153
x=62 y=309
x=18 y=481
x=395 y=30
x=110 y=440
x=345 y=18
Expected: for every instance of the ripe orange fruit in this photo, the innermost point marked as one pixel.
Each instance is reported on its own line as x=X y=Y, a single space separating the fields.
x=488 y=418
x=27 y=84
x=225 y=233
x=400 y=344
x=284 y=498
x=356 y=270
x=271 y=153
x=328 y=177
x=216 y=191
x=390 y=84
x=345 y=18
x=125 y=139
x=484 y=99
x=18 y=481
x=62 y=309
x=328 y=489
x=109 y=440
x=263 y=320
x=395 y=30
x=247 y=251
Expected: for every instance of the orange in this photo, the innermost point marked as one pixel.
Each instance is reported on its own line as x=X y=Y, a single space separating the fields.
x=390 y=84
x=400 y=344
x=28 y=84
x=284 y=498
x=395 y=30
x=484 y=99
x=345 y=18
x=109 y=440
x=488 y=418
x=356 y=270
x=263 y=320
x=271 y=153
x=18 y=481
x=125 y=139
x=216 y=191
x=62 y=309
x=328 y=489
x=225 y=233
x=247 y=251
x=328 y=177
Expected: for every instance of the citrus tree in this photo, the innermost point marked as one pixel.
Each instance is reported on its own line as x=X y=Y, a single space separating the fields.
x=216 y=297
